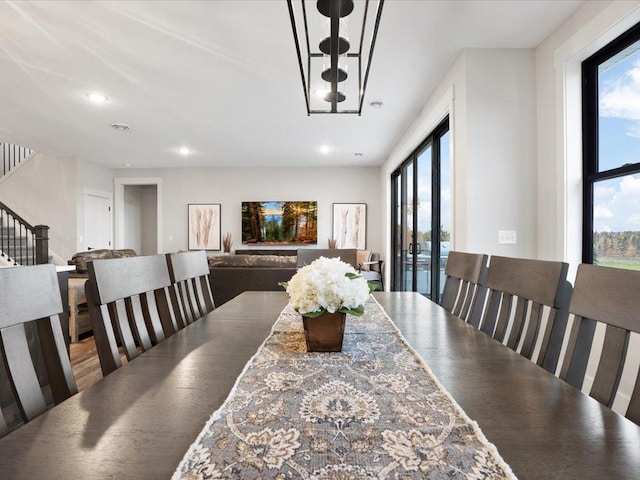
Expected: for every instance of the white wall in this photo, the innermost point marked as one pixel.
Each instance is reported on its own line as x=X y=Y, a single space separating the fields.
x=43 y=191
x=501 y=151
x=490 y=97
x=231 y=186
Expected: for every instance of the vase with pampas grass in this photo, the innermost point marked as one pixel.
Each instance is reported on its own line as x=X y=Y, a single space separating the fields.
x=227 y=241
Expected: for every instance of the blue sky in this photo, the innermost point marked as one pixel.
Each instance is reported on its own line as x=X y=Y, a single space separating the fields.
x=617 y=201
x=424 y=187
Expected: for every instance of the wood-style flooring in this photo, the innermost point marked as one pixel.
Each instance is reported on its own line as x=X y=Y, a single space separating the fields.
x=85 y=363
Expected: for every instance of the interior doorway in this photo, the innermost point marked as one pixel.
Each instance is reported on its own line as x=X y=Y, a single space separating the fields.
x=141 y=218
x=138 y=214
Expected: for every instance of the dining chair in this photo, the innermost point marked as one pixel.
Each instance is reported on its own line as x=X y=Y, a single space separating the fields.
x=30 y=300
x=371 y=268
x=604 y=332
x=308 y=255
x=191 y=289
x=464 y=288
x=527 y=307
x=128 y=304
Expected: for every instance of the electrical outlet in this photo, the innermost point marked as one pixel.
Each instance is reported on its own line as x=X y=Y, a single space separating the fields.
x=507 y=237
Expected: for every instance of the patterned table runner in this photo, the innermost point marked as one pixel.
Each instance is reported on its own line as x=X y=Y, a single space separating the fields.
x=373 y=411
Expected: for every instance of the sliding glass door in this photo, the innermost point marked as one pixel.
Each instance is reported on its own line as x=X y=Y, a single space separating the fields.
x=421 y=209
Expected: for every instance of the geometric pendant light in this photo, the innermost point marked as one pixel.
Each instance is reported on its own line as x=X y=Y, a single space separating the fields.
x=336 y=67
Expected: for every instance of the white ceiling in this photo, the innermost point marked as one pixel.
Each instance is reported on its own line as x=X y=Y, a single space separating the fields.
x=222 y=77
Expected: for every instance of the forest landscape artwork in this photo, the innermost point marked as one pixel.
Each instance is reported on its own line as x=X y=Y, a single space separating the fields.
x=279 y=223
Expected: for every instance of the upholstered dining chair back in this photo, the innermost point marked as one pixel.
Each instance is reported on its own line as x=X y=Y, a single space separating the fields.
x=30 y=300
x=191 y=290
x=604 y=331
x=128 y=303
x=527 y=307
x=463 y=287
x=308 y=255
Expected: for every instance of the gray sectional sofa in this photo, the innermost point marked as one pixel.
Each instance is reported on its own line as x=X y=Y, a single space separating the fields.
x=262 y=270
x=231 y=275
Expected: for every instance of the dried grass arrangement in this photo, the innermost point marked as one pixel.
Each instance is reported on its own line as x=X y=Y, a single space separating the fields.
x=227 y=241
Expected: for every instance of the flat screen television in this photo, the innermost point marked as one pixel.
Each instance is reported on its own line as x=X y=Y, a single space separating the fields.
x=279 y=223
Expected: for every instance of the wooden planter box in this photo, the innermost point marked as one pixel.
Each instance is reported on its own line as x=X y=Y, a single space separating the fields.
x=324 y=333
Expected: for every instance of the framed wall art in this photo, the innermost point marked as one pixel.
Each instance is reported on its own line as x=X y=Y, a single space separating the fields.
x=350 y=225
x=204 y=226
x=280 y=223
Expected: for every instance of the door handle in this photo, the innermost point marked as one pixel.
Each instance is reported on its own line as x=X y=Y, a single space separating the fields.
x=411 y=248
x=419 y=248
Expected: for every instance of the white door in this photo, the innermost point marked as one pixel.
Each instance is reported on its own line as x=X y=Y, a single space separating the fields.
x=97 y=221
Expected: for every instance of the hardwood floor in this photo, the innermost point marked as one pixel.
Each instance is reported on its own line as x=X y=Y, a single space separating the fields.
x=85 y=363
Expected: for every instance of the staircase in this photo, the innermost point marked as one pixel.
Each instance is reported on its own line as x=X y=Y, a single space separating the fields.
x=17 y=247
x=20 y=242
x=11 y=157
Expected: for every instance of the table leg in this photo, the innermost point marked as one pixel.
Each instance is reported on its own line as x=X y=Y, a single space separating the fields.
x=73 y=314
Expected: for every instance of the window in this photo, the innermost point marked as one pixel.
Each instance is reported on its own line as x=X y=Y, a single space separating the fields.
x=421 y=216
x=611 y=153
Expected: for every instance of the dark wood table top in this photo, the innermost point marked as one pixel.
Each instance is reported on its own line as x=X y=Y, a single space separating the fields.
x=542 y=427
x=138 y=422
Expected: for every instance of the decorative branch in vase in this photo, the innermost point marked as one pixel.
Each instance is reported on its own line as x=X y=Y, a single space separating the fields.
x=227 y=241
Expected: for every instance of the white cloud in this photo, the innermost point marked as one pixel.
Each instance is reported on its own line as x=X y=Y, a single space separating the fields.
x=633 y=222
x=621 y=98
x=603 y=228
x=630 y=186
x=601 y=192
x=620 y=210
x=601 y=211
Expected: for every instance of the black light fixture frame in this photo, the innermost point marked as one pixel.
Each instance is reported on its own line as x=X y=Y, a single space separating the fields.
x=334 y=34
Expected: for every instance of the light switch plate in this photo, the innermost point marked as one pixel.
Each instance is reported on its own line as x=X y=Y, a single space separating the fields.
x=507 y=237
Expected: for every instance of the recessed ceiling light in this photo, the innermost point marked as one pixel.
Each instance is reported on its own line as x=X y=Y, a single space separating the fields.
x=358 y=154
x=97 y=97
x=184 y=151
x=127 y=165
x=120 y=126
x=324 y=149
x=376 y=104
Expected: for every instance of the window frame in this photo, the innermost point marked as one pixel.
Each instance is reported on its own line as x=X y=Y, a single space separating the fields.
x=590 y=135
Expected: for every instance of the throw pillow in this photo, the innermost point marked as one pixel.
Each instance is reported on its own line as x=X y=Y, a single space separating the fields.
x=361 y=257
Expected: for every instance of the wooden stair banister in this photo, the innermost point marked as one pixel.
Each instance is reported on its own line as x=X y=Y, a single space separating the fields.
x=21 y=242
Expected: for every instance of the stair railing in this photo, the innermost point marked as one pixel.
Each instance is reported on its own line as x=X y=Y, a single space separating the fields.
x=20 y=242
x=12 y=155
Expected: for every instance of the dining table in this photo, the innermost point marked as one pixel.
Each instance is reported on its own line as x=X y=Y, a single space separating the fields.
x=139 y=421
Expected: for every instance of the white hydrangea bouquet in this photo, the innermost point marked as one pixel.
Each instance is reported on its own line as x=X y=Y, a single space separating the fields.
x=327 y=285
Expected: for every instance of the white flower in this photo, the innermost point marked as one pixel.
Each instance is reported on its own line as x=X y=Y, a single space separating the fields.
x=327 y=284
